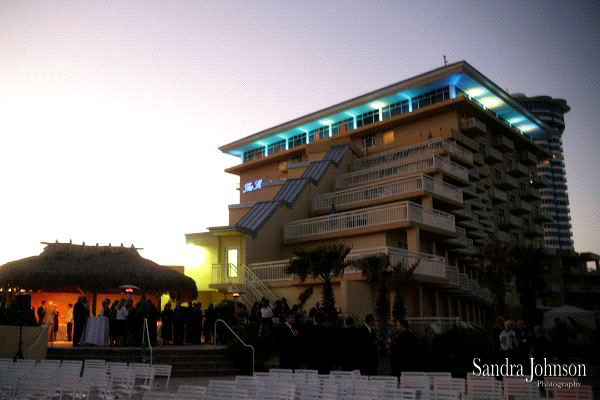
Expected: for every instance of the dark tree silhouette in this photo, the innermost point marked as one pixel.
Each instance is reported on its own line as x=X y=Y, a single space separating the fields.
x=324 y=263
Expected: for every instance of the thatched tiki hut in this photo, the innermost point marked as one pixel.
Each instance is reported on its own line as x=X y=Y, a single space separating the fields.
x=65 y=271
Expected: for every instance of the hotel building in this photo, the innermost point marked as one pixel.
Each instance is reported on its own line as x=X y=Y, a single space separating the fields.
x=555 y=199
x=427 y=169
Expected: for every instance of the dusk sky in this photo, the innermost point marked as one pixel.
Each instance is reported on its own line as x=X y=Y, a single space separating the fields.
x=112 y=112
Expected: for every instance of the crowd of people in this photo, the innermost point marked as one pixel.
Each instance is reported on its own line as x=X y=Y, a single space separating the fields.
x=517 y=343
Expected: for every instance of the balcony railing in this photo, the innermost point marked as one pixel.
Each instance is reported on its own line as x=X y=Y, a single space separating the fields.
x=412 y=151
x=429 y=264
x=452 y=274
x=399 y=168
x=474 y=125
x=497 y=195
x=502 y=143
x=348 y=221
x=506 y=182
x=383 y=190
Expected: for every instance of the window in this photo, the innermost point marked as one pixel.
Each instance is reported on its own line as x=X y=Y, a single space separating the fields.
x=369 y=141
x=297 y=140
x=297 y=158
x=276 y=147
x=254 y=154
x=398 y=108
x=367 y=118
x=388 y=137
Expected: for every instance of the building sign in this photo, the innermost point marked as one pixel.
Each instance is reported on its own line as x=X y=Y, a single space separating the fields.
x=252 y=186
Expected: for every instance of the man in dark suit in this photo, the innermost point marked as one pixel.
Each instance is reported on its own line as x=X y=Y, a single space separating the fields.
x=404 y=349
x=318 y=345
x=81 y=312
x=367 y=346
x=41 y=312
x=289 y=356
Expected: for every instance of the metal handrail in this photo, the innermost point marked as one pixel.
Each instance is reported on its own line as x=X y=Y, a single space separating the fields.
x=237 y=337
x=146 y=332
x=38 y=339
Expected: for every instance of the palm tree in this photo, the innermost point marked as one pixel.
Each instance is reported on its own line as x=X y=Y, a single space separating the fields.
x=497 y=266
x=377 y=271
x=325 y=263
x=529 y=270
x=400 y=276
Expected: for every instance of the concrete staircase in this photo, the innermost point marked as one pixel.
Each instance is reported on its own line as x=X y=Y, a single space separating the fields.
x=203 y=360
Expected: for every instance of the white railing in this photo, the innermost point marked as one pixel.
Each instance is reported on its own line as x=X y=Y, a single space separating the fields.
x=243 y=279
x=404 y=211
x=458 y=151
x=411 y=151
x=452 y=274
x=399 y=168
x=429 y=264
x=386 y=189
x=271 y=270
x=463 y=281
x=394 y=155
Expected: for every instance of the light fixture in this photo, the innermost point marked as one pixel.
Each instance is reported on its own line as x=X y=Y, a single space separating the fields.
x=476 y=92
x=377 y=105
x=527 y=127
x=516 y=120
x=491 y=101
x=326 y=122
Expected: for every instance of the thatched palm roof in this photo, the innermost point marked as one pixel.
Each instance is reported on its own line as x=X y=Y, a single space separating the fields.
x=64 y=267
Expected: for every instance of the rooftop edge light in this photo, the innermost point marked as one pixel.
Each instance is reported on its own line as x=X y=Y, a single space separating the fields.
x=377 y=105
x=476 y=92
x=491 y=101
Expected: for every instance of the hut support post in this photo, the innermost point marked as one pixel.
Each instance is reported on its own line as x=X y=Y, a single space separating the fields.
x=94 y=295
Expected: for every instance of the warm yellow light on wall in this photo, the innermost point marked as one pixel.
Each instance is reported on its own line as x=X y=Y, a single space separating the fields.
x=194 y=255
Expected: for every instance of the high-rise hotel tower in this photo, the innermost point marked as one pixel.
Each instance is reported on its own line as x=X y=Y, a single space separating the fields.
x=555 y=199
x=427 y=169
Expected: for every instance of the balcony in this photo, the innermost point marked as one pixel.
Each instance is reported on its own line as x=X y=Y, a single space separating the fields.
x=473 y=126
x=502 y=236
x=502 y=143
x=490 y=155
x=389 y=216
x=497 y=195
x=471 y=223
x=476 y=203
x=460 y=238
x=484 y=171
x=506 y=182
x=527 y=158
x=529 y=193
x=413 y=151
x=423 y=164
x=480 y=187
x=452 y=274
x=469 y=192
x=540 y=216
x=402 y=188
x=477 y=233
x=430 y=265
x=474 y=174
x=458 y=152
x=509 y=222
x=538 y=182
x=533 y=230
x=517 y=169
x=519 y=207
x=464 y=212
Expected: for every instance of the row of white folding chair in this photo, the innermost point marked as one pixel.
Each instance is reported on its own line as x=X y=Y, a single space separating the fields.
x=484 y=388
x=519 y=388
x=221 y=390
x=189 y=392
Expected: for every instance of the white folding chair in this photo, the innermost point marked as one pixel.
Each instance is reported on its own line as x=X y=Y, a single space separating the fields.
x=484 y=388
x=518 y=388
x=159 y=396
x=163 y=371
x=189 y=392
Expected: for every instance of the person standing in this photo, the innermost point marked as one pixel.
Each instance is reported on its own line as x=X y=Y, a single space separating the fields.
x=80 y=315
x=318 y=346
x=69 y=320
x=367 y=346
x=179 y=323
x=508 y=341
x=166 y=331
x=41 y=312
x=403 y=349
x=121 y=322
x=209 y=326
x=289 y=357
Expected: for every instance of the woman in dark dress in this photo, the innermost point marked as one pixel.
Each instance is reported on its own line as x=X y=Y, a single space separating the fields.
x=167 y=324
